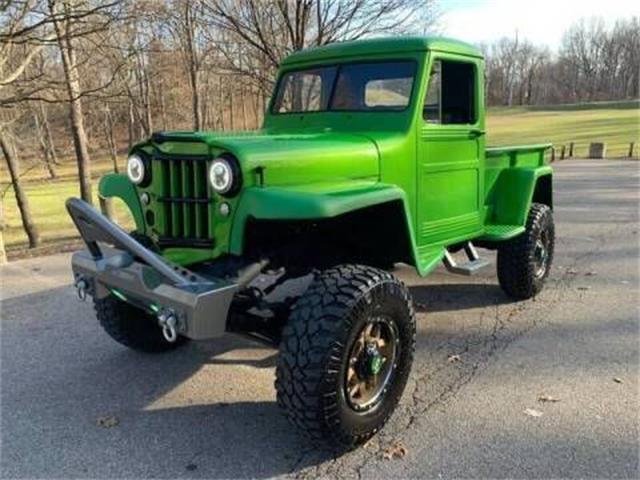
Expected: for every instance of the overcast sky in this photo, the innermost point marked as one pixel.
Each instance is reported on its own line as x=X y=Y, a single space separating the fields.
x=541 y=21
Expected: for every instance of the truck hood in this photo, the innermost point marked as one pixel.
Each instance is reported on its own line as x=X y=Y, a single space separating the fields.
x=296 y=158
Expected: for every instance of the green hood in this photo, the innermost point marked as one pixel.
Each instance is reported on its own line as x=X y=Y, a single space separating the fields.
x=295 y=158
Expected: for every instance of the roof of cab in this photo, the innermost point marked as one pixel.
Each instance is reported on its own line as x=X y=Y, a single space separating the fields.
x=377 y=46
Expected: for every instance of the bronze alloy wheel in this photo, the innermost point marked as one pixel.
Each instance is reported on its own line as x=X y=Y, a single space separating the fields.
x=346 y=353
x=372 y=363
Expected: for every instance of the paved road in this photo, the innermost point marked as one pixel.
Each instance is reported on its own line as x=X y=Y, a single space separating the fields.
x=208 y=410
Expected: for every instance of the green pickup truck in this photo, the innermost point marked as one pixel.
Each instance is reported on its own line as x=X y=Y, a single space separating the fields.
x=372 y=153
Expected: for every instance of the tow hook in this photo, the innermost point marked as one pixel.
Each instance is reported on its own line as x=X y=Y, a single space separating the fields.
x=168 y=320
x=82 y=288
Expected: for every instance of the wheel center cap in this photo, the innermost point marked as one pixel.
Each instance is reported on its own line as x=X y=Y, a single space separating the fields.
x=375 y=363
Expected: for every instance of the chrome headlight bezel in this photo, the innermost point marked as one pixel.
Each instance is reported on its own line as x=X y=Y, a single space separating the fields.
x=220 y=175
x=224 y=176
x=138 y=169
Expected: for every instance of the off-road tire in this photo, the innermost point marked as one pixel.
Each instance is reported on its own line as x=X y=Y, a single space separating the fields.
x=516 y=265
x=132 y=327
x=314 y=352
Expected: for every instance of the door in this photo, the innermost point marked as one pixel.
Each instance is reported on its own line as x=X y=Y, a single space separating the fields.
x=450 y=146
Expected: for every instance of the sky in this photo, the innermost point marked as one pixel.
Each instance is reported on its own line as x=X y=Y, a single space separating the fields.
x=540 y=21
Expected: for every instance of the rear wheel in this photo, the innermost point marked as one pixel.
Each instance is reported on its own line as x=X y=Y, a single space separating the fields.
x=132 y=326
x=346 y=353
x=524 y=262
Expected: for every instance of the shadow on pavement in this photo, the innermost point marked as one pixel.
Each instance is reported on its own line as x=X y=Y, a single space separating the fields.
x=452 y=297
x=197 y=411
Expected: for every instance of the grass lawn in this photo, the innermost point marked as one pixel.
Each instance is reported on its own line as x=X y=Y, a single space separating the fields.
x=46 y=200
x=617 y=124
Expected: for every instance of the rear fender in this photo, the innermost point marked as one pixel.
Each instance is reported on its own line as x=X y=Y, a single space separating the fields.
x=516 y=188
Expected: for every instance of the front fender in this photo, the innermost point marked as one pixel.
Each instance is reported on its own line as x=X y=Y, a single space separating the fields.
x=315 y=201
x=119 y=186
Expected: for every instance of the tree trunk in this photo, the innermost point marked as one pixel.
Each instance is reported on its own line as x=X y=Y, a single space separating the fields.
x=48 y=136
x=163 y=108
x=232 y=122
x=76 y=117
x=147 y=104
x=221 y=102
x=243 y=106
x=130 y=122
x=21 y=198
x=193 y=65
x=46 y=157
x=108 y=124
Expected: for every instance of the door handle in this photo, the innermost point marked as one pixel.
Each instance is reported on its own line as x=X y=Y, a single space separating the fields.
x=476 y=132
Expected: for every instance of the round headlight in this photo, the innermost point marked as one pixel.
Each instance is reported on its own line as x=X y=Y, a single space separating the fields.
x=221 y=175
x=136 y=169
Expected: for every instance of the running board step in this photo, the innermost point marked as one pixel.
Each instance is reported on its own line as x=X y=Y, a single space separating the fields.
x=473 y=266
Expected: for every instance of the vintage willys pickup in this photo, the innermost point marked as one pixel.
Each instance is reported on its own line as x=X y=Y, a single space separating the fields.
x=371 y=153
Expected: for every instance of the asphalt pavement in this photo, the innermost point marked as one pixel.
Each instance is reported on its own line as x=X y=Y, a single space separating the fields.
x=499 y=389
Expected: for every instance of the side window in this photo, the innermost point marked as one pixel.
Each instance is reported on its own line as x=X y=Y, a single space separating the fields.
x=450 y=95
x=431 y=111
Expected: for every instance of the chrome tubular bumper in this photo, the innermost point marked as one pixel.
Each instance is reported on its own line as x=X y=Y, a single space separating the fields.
x=183 y=301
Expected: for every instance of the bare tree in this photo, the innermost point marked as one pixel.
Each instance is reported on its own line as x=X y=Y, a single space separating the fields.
x=61 y=12
x=593 y=63
x=18 y=50
x=109 y=130
x=185 y=23
x=49 y=162
x=21 y=197
x=256 y=35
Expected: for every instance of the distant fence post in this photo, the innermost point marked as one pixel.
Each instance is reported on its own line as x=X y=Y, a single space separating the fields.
x=631 y=145
x=553 y=154
x=562 y=152
x=571 y=150
x=597 y=150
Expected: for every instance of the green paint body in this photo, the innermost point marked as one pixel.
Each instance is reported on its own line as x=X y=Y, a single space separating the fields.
x=324 y=164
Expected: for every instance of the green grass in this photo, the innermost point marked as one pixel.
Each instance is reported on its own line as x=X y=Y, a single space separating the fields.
x=616 y=123
x=46 y=200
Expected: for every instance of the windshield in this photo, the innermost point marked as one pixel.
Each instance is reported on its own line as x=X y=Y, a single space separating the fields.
x=357 y=87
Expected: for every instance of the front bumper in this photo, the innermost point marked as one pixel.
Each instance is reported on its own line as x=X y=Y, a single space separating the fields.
x=198 y=306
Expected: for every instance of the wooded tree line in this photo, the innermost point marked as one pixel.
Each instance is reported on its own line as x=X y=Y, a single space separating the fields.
x=593 y=63
x=91 y=77
x=87 y=76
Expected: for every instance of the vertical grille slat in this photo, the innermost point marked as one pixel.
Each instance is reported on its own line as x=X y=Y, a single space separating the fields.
x=185 y=198
x=199 y=190
x=176 y=184
x=204 y=208
x=166 y=192
x=186 y=194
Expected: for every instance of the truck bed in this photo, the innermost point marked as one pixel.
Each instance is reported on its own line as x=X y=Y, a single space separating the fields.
x=509 y=175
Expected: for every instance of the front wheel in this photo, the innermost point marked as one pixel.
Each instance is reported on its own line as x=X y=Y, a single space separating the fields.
x=346 y=353
x=524 y=262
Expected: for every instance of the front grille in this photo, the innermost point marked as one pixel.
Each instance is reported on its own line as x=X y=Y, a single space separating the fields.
x=185 y=200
